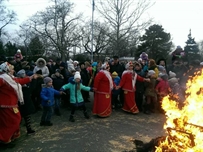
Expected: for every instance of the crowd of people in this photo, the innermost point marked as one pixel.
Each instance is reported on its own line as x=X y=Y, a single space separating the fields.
x=133 y=86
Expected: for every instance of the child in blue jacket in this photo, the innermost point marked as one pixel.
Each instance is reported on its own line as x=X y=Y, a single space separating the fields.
x=47 y=101
x=76 y=100
x=115 y=93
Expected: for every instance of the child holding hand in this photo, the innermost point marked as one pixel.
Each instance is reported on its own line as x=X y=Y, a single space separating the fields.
x=75 y=86
x=47 y=101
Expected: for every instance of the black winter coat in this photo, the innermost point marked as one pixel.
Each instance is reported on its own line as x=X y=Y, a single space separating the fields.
x=58 y=82
x=118 y=68
x=28 y=107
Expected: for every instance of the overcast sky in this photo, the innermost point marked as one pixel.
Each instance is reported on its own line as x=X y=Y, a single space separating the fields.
x=176 y=16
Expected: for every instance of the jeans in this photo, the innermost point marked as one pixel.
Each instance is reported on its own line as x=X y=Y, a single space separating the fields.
x=57 y=102
x=47 y=113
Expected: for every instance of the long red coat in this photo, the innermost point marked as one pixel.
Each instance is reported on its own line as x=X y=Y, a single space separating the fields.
x=102 y=97
x=127 y=83
x=9 y=114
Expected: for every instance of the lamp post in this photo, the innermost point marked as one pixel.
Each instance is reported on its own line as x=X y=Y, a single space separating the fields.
x=92 y=47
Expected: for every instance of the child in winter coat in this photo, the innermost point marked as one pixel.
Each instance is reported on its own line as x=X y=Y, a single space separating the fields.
x=176 y=90
x=75 y=86
x=162 y=89
x=150 y=93
x=47 y=101
x=28 y=107
x=115 y=93
x=58 y=82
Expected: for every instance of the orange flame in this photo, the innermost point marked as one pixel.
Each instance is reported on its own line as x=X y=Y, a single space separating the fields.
x=185 y=125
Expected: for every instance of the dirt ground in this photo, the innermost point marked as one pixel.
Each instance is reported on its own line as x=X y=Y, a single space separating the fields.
x=112 y=134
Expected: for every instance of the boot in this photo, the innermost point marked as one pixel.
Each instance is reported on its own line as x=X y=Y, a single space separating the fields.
x=48 y=123
x=71 y=119
x=86 y=115
x=4 y=146
x=42 y=123
x=147 y=109
x=57 y=112
x=30 y=132
x=28 y=125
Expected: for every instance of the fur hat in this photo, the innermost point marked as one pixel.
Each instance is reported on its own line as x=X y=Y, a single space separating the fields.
x=150 y=72
x=128 y=64
x=21 y=73
x=172 y=74
x=47 y=80
x=77 y=75
x=4 y=67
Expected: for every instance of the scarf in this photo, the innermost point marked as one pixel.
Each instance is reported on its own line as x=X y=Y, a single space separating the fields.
x=16 y=86
x=109 y=77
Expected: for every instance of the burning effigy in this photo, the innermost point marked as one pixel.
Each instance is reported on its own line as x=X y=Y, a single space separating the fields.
x=183 y=126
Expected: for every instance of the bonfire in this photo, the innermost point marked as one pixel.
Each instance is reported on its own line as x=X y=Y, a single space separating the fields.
x=184 y=125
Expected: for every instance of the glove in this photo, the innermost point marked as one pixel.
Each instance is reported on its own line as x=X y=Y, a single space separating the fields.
x=91 y=89
x=63 y=90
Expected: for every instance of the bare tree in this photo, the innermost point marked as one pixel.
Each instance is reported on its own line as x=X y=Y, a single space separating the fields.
x=6 y=17
x=101 y=40
x=58 y=27
x=124 y=18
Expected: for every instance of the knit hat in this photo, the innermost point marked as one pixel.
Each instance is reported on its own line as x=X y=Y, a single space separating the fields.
x=75 y=62
x=140 y=60
x=128 y=65
x=58 y=70
x=164 y=76
x=114 y=74
x=150 y=72
x=63 y=65
x=172 y=74
x=19 y=51
x=144 y=56
x=21 y=73
x=47 y=80
x=77 y=75
x=161 y=68
x=172 y=81
x=94 y=64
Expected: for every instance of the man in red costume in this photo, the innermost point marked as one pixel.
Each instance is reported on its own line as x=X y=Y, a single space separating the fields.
x=10 y=95
x=103 y=85
x=127 y=83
